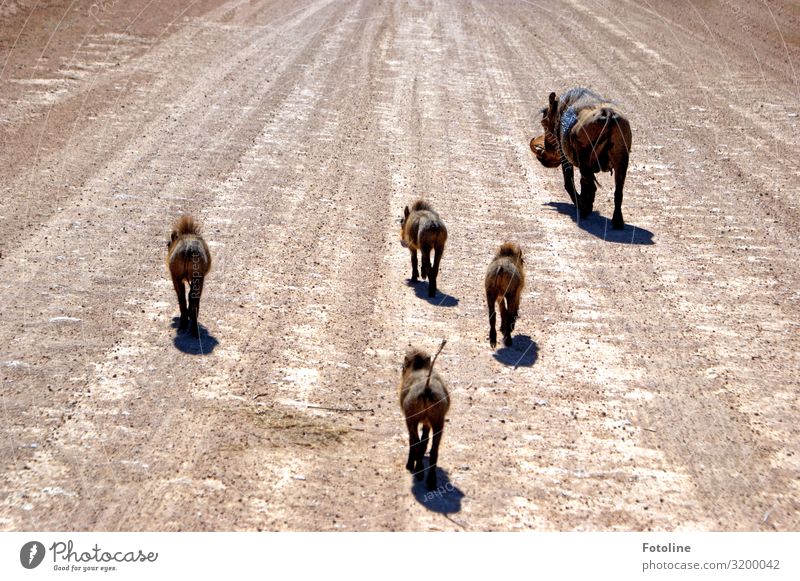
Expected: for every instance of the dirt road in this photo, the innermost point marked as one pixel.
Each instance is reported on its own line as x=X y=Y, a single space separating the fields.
x=653 y=383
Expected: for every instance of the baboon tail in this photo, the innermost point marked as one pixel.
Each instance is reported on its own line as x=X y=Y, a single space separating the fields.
x=186 y=225
x=427 y=393
x=421 y=205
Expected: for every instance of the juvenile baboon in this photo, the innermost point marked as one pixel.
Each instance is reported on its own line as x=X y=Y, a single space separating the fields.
x=546 y=149
x=425 y=400
x=189 y=260
x=422 y=229
x=505 y=279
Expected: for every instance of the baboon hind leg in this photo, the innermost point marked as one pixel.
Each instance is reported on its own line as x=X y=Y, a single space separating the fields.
x=512 y=309
x=421 y=447
x=413 y=444
x=426 y=261
x=588 y=190
x=491 y=299
x=180 y=290
x=505 y=324
x=434 y=272
x=437 y=428
x=195 y=291
x=619 y=181
x=414 y=269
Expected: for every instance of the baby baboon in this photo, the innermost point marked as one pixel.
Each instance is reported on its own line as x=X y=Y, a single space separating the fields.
x=422 y=229
x=505 y=280
x=188 y=259
x=546 y=149
x=424 y=399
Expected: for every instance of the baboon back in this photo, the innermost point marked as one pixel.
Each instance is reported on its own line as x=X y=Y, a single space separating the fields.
x=429 y=408
x=593 y=133
x=189 y=258
x=427 y=230
x=600 y=139
x=432 y=232
x=503 y=278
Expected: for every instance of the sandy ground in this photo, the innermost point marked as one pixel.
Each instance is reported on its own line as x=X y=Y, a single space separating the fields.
x=653 y=382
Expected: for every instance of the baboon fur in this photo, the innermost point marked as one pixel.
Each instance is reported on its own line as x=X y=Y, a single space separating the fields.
x=423 y=405
x=422 y=229
x=594 y=136
x=188 y=260
x=505 y=279
x=545 y=148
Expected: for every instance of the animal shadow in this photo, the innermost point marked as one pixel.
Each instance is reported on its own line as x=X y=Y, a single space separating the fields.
x=523 y=353
x=185 y=343
x=440 y=300
x=445 y=499
x=600 y=227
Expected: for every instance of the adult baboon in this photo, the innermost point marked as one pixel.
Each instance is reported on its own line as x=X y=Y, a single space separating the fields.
x=592 y=134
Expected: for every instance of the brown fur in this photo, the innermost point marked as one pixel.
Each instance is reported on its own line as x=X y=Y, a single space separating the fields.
x=423 y=405
x=422 y=229
x=600 y=140
x=188 y=260
x=505 y=279
x=545 y=148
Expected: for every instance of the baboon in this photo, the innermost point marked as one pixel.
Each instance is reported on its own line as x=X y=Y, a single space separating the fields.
x=592 y=134
x=422 y=229
x=424 y=399
x=505 y=279
x=545 y=148
x=189 y=260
